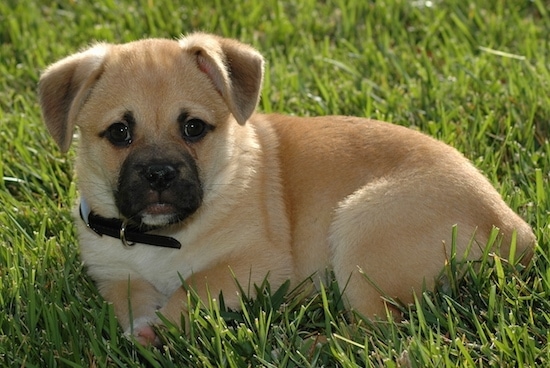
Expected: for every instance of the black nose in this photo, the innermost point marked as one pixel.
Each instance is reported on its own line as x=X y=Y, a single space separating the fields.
x=160 y=176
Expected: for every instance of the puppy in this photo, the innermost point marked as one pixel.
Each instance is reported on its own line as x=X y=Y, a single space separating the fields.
x=179 y=178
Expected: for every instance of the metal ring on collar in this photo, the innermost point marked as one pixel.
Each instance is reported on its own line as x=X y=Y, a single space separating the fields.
x=123 y=235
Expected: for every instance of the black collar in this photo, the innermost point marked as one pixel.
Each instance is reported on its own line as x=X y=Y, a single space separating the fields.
x=119 y=229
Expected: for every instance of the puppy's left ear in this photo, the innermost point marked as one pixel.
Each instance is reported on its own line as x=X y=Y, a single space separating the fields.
x=235 y=69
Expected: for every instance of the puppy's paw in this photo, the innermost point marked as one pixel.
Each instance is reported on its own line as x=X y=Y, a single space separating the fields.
x=146 y=336
x=142 y=331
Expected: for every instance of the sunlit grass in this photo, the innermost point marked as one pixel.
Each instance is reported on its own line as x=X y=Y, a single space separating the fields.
x=475 y=75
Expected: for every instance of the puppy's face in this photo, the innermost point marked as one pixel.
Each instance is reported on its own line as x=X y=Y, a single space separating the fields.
x=147 y=127
x=158 y=121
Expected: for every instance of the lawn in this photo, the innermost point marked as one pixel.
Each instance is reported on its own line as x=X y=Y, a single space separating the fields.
x=474 y=74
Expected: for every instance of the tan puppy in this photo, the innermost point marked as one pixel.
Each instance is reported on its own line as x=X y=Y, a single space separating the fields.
x=172 y=155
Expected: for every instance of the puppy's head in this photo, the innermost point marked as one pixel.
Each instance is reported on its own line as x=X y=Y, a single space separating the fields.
x=156 y=120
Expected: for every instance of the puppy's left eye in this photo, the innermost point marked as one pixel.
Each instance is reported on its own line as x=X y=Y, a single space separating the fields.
x=119 y=134
x=194 y=130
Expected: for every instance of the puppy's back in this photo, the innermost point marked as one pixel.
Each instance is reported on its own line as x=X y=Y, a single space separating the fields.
x=326 y=159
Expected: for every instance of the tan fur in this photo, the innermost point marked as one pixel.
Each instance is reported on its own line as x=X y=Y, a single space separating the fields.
x=284 y=196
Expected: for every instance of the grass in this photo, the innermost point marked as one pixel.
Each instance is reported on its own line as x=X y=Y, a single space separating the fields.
x=475 y=75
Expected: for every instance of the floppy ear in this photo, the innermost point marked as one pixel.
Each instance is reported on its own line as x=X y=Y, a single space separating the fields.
x=235 y=69
x=63 y=89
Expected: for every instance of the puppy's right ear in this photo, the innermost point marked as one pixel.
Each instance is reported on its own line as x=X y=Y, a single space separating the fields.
x=63 y=89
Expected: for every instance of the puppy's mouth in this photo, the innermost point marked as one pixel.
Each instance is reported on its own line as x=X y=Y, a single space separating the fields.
x=159 y=209
x=159 y=214
x=156 y=210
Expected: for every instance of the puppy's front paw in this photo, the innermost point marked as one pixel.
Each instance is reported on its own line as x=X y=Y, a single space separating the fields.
x=146 y=336
x=143 y=332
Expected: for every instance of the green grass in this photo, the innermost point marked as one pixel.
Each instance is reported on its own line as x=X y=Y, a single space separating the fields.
x=476 y=76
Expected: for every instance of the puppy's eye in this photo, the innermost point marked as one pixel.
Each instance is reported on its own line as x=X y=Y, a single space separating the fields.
x=119 y=134
x=194 y=129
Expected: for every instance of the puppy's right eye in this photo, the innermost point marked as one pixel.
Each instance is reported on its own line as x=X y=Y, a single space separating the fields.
x=119 y=134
